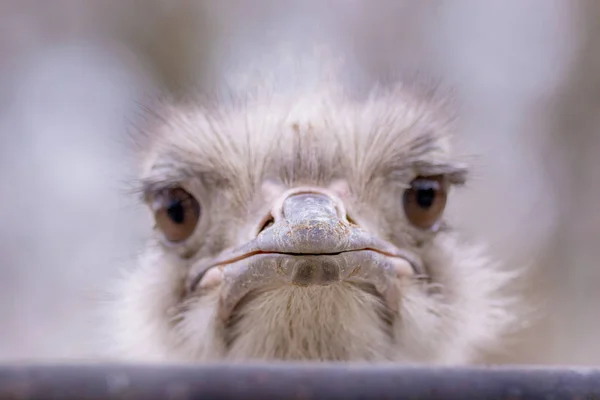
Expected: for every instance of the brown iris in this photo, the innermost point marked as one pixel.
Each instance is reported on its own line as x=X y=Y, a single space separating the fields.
x=425 y=200
x=176 y=213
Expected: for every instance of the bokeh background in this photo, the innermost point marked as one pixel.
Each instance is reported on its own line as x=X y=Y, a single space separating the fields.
x=73 y=75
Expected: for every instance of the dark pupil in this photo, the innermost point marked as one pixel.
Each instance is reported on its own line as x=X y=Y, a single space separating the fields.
x=176 y=211
x=425 y=197
x=425 y=191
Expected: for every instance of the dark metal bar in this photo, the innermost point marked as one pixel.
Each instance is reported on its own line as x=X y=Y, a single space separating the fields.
x=293 y=381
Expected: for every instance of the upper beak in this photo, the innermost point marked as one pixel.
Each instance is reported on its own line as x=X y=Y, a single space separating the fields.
x=308 y=223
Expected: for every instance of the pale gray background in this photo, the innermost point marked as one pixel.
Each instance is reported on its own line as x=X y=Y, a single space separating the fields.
x=73 y=74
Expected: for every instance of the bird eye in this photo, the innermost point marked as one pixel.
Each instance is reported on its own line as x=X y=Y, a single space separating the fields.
x=176 y=213
x=425 y=200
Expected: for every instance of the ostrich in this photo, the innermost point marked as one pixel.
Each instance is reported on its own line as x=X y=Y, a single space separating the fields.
x=308 y=228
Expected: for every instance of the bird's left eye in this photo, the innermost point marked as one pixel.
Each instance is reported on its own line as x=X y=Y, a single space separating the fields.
x=176 y=213
x=425 y=200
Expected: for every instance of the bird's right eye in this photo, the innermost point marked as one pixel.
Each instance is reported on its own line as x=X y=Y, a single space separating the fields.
x=176 y=213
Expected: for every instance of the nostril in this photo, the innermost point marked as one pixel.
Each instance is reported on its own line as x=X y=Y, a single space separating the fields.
x=266 y=223
x=351 y=220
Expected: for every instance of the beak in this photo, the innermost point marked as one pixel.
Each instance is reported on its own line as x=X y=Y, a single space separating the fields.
x=311 y=242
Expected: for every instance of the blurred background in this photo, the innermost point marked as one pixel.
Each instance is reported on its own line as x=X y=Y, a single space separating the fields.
x=73 y=75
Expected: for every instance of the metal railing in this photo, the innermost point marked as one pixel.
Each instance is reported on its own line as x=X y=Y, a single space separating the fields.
x=293 y=381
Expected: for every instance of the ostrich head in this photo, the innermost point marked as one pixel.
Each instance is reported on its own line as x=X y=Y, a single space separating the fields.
x=307 y=229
